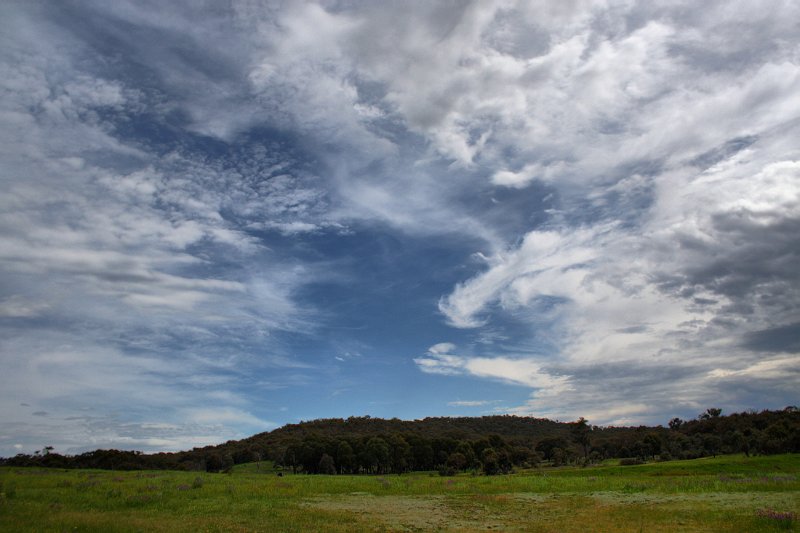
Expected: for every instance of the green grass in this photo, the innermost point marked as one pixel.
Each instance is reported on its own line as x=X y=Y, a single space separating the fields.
x=718 y=494
x=261 y=467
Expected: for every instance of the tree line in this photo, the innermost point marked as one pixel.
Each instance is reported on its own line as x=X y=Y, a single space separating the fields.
x=489 y=445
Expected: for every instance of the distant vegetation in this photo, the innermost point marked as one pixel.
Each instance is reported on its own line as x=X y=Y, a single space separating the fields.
x=489 y=445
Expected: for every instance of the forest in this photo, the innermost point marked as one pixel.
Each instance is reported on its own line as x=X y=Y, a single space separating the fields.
x=488 y=445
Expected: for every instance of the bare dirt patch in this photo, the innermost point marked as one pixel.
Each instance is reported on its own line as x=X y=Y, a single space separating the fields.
x=408 y=513
x=722 y=500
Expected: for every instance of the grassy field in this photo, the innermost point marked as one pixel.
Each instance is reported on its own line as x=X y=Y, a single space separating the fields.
x=731 y=493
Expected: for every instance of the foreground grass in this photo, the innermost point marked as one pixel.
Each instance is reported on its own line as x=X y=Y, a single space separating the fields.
x=723 y=494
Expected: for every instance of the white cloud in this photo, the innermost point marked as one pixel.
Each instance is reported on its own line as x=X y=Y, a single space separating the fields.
x=225 y=416
x=520 y=178
x=441 y=348
x=441 y=360
x=784 y=369
x=470 y=403
x=516 y=371
x=518 y=277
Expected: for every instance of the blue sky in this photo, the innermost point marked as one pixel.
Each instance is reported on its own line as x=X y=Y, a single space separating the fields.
x=221 y=217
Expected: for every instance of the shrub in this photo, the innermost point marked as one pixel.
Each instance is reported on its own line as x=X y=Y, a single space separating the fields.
x=445 y=471
x=630 y=461
x=326 y=465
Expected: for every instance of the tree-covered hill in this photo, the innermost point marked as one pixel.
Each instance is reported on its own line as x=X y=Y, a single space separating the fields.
x=457 y=428
x=491 y=444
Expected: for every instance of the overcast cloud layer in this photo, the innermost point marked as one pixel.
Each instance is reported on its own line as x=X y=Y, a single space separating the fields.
x=219 y=219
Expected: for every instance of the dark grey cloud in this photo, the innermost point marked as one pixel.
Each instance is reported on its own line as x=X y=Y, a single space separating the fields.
x=784 y=339
x=751 y=262
x=631 y=378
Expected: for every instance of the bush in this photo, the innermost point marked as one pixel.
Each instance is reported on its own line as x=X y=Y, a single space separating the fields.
x=445 y=471
x=630 y=461
x=326 y=465
x=490 y=462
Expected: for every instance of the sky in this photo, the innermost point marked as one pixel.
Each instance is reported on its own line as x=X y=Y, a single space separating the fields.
x=221 y=217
